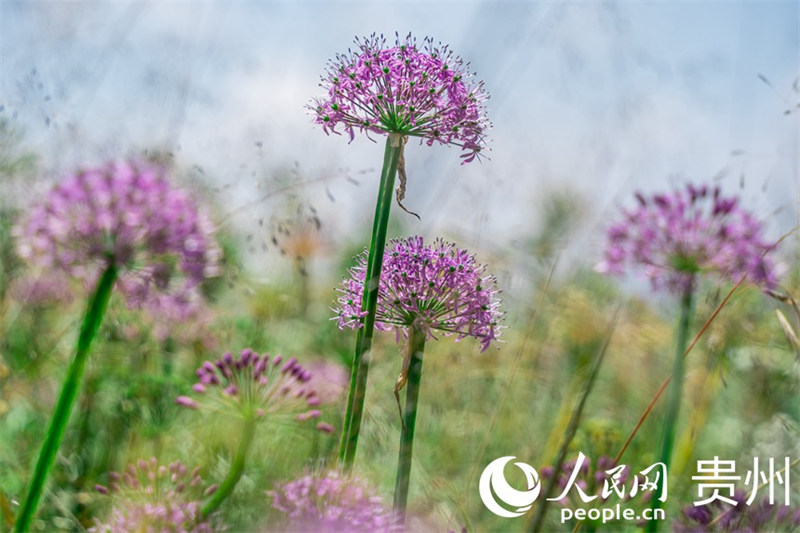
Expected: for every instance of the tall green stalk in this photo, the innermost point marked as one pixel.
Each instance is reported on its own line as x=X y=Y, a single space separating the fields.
x=369 y=303
x=237 y=469
x=537 y=522
x=675 y=392
x=416 y=347
x=69 y=392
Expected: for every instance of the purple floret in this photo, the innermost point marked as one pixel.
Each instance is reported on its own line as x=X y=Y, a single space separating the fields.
x=422 y=90
x=437 y=288
x=676 y=237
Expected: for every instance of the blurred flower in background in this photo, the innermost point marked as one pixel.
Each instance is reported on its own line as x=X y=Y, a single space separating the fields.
x=253 y=386
x=39 y=291
x=332 y=503
x=328 y=379
x=184 y=317
x=691 y=231
x=129 y=216
x=740 y=518
x=157 y=498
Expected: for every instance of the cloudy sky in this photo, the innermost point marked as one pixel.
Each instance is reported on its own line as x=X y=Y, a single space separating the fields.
x=600 y=98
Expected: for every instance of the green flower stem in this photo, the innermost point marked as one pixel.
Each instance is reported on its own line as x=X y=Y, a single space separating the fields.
x=69 y=392
x=675 y=391
x=537 y=522
x=369 y=303
x=416 y=346
x=237 y=469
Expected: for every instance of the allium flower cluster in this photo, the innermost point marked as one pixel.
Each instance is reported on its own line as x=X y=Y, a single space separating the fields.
x=741 y=518
x=156 y=498
x=125 y=215
x=423 y=91
x=253 y=385
x=330 y=503
x=696 y=230
x=438 y=287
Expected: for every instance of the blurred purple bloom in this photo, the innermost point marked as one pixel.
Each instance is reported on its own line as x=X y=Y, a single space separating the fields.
x=691 y=231
x=155 y=498
x=739 y=518
x=325 y=427
x=189 y=310
x=253 y=385
x=422 y=91
x=329 y=379
x=47 y=289
x=127 y=215
x=330 y=503
x=437 y=287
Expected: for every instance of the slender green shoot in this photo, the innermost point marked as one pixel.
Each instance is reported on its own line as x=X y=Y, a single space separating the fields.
x=235 y=473
x=675 y=391
x=369 y=303
x=537 y=522
x=66 y=401
x=416 y=349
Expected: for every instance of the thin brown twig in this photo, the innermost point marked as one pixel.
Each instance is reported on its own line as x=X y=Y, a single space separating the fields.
x=275 y=192
x=689 y=349
x=669 y=378
x=666 y=381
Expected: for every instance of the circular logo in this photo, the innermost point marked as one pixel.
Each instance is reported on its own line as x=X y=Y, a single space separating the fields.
x=493 y=484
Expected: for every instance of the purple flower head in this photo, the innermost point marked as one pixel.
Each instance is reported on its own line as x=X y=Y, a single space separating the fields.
x=330 y=503
x=438 y=287
x=126 y=215
x=415 y=90
x=692 y=231
x=153 y=497
x=253 y=386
